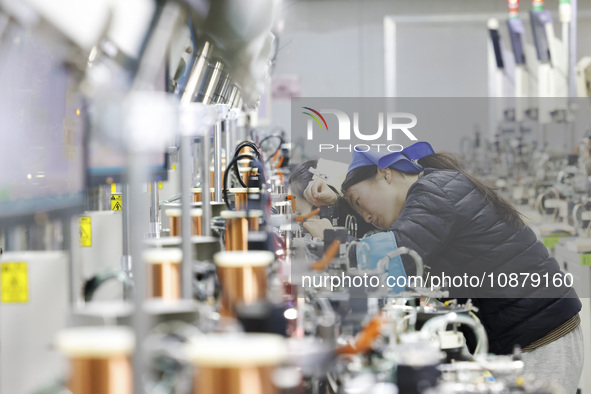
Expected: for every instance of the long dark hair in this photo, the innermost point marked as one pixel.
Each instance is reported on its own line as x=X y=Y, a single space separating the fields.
x=445 y=161
x=301 y=176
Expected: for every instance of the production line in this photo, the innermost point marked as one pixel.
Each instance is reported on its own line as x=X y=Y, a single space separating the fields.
x=157 y=240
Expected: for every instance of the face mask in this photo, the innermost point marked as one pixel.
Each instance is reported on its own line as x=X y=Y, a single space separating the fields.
x=372 y=249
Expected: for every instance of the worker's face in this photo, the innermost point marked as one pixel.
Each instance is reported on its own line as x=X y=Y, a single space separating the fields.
x=379 y=200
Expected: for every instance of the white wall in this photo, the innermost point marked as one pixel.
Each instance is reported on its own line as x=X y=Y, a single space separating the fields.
x=337 y=48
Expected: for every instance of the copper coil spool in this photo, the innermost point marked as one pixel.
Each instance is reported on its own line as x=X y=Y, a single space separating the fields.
x=243 y=277
x=203 y=247
x=100 y=359
x=238 y=223
x=254 y=217
x=241 y=196
x=236 y=237
x=164 y=273
x=175 y=221
x=237 y=364
x=245 y=150
x=197 y=223
x=197 y=191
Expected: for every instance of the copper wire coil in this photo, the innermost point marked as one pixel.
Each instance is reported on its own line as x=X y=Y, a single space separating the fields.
x=101 y=375
x=245 y=150
x=197 y=193
x=164 y=273
x=241 y=196
x=237 y=226
x=237 y=234
x=243 y=277
x=241 y=285
x=253 y=223
x=236 y=363
x=175 y=226
x=212 y=175
x=197 y=227
x=175 y=222
x=244 y=380
x=99 y=357
x=245 y=176
x=165 y=281
x=241 y=201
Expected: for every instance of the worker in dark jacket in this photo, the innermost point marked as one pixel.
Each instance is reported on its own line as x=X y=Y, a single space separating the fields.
x=319 y=181
x=458 y=225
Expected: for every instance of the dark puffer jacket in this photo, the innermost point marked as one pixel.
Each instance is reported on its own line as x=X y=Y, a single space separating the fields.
x=456 y=231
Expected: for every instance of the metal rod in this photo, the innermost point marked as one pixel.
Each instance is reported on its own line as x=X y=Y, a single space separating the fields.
x=125 y=209
x=234 y=131
x=566 y=31
x=186 y=233
x=217 y=161
x=138 y=173
x=72 y=267
x=197 y=156
x=572 y=59
x=14 y=239
x=154 y=211
x=227 y=132
x=205 y=195
x=212 y=78
x=197 y=74
x=105 y=200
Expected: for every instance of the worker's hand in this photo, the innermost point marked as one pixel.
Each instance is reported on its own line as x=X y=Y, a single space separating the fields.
x=316 y=227
x=319 y=194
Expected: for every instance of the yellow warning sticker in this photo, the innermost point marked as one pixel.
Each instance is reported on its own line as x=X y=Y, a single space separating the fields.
x=116 y=202
x=85 y=231
x=15 y=282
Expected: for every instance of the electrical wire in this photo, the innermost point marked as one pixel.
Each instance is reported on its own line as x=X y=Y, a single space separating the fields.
x=240 y=146
x=233 y=163
x=252 y=145
x=281 y=141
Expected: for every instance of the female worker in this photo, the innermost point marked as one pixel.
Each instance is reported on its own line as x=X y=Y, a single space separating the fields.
x=316 y=184
x=459 y=225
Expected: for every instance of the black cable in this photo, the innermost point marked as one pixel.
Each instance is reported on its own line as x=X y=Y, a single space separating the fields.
x=250 y=144
x=234 y=162
x=237 y=173
x=92 y=284
x=281 y=141
x=238 y=149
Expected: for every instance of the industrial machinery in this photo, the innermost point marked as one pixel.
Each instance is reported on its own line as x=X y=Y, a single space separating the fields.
x=151 y=238
x=548 y=184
